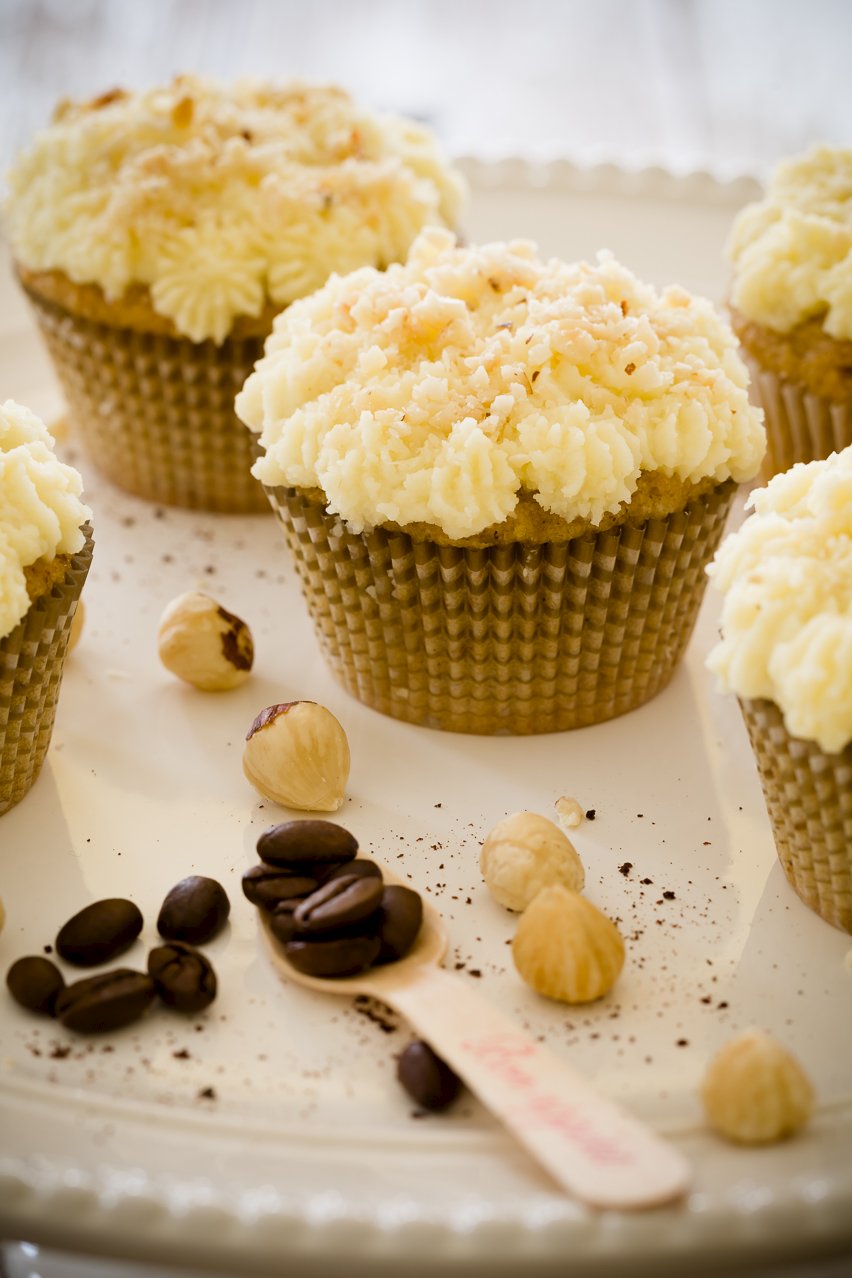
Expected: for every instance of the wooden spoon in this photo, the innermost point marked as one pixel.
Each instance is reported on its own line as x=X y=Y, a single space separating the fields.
x=592 y=1147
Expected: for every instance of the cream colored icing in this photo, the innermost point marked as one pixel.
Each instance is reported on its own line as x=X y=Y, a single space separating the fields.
x=221 y=198
x=787 y=613
x=438 y=390
x=792 y=251
x=40 y=507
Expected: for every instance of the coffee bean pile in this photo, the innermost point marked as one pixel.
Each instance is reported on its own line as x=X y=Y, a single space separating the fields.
x=332 y=912
x=178 y=974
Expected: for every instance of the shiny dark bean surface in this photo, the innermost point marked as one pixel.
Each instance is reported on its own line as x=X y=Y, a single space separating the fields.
x=281 y=919
x=306 y=841
x=400 y=920
x=359 y=868
x=99 y=932
x=105 y=1002
x=184 y=977
x=428 y=1080
x=342 y=956
x=268 y=885
x=194 y=910
x=35 y=983
x=339 y=903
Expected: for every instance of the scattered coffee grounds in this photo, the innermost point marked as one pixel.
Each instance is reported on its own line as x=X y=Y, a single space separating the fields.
x=35 y=983
x=99 y=932
x=184 y=977
x=194 y=910
x=429 y=1081
x=333 y=913
x=105 y=1002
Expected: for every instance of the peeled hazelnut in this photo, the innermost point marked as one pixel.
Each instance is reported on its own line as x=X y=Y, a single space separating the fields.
x=569 y=812
x=524 y=854
x=204 y=644
x=755 y=1092
x=297 y=755
x=566 y=949
x=76 y=625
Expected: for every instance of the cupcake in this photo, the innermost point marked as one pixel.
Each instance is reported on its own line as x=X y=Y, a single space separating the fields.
x=791 y=305
x=501 y=479
x=158 y=233
x=786 y=651
x=45 y=552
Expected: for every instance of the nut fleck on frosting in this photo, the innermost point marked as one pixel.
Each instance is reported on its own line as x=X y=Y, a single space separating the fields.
x=787 y=615
x=443 y=389
x=792 y=250
x=40 y=507
x=223 y=199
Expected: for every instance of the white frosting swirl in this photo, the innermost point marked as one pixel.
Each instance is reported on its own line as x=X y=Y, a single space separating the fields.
x=40 y=507
x=220 y=199
x=787 y=613
x=437 y=390
x=792 y=251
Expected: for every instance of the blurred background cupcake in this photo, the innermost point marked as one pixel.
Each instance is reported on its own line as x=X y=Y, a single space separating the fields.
x=786 y=651
x=45 y=552
x=157 y=234
x=791 y=305
x=501 y=479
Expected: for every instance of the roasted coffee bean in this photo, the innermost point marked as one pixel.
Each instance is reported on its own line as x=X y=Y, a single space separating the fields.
x=428 y=1080
x=35 y=983
x=339 y=904
x=106 y=1001
x=195 y=910
x=341 y=956
x=360 y=868
x=99 y=932
x=400 y=919
x=184 y=977
x=281 y=921
x=306 y=841
x=267 y=885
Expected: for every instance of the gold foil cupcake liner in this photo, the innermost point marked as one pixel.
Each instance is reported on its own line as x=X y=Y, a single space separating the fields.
x=32 y=657
x=800 y=426
x=808 y=797
x=514 y=639
x=156 y=412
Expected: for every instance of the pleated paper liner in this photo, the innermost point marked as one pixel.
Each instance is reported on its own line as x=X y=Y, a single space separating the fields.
x=800 y=425
x=156 y=412
x=808 y=797
x=513 y=639
x=32 y=657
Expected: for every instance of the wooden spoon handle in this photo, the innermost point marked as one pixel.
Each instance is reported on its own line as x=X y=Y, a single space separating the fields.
x=594 y=1149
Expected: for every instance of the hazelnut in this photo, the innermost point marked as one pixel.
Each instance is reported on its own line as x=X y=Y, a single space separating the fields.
x=77 y=622
x=569 y=812
x=297 y=755
x=525 y=853
x=755 y=1092
x=204 y=644
x=566 y=949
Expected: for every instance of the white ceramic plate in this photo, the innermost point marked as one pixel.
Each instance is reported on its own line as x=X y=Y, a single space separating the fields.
x=308 y=1152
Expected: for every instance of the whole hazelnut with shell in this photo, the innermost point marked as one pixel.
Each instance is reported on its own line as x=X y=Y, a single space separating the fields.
x=297 y=755
x=205 y=645
x=525 y=853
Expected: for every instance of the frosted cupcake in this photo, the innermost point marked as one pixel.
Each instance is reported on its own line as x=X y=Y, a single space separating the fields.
x=45 y=552
x=792 y=305
x=501 y=479
x=786 y=651
x=158 y=233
